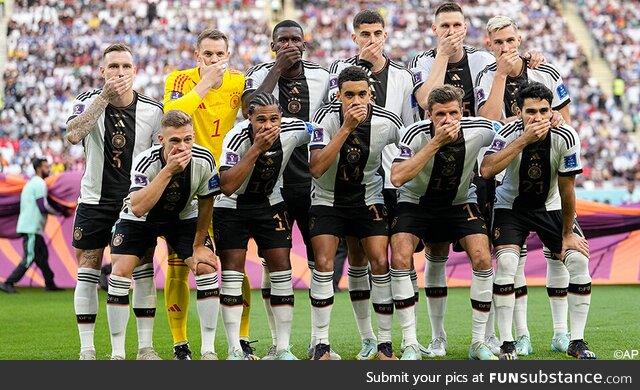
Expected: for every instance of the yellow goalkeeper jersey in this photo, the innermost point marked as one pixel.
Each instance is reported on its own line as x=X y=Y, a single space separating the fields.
x=214 y=115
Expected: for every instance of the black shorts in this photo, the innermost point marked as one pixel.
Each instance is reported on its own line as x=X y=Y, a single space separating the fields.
x=390 y=201
x=359 y=222
x=136 y=237
x=485 y=193
x=93 y=225
x=269 y=227
x=513 y=227
x=438 y=225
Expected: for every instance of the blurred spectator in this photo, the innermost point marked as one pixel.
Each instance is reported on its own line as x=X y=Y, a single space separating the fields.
x=54 y=47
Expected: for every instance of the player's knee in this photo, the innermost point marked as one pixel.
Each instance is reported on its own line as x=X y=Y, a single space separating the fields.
x=480 y=259
x=577 y=265
x=89 y=258
x=379 y=265
x=204 y=269
x=507 y=263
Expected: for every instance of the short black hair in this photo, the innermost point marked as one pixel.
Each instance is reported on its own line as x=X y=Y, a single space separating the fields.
x=262 y=99
x=283 y=24
x=353 y=73
x=533 y=90
x=37 y=162
x=367 y=16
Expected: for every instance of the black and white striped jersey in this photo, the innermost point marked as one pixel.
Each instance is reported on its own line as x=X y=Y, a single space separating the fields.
x=392 y=89
x=119 y=135
x=446 y=179
x=462 y=74
x=300 y=98
x=261 y=188
x=545 y=74
x=353 y=179
x=199 y=178
x=531 y=180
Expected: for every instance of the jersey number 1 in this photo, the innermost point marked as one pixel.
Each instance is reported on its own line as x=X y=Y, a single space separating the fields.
x=216 y=130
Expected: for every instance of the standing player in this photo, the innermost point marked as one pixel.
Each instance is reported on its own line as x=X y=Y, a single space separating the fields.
x=437 y=203
x=302 y=88
x=496 y=89
x=210 y=93
x=254 y=156
x=537 y=194
x=164 y=180
x=114 y=123
x=451 y=63
x=347 y=201
x=392 y=89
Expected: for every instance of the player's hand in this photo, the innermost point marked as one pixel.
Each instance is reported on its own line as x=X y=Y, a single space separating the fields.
x=265 y=138
x=449 y=45
x=287 y=57
x=556 y=119
x=178 y=160
x=575 y=242
x=447 y=133
x=203 y=255
x=355 y=114
x=372 y=52
x=116 y=86
x=535 y=131
x=507 y=62
x=535 y=58
x=212 y=74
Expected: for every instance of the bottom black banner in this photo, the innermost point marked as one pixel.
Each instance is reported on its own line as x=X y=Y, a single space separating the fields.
x=320 y=375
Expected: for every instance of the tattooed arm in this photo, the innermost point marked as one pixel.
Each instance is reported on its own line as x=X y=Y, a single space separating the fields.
x=80 y=126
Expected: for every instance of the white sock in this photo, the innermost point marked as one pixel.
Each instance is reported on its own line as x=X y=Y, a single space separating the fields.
x=503 y=294
x=208 y=294
x=231 y=304
x=557 y=285
x=435 y=287
x=118 y=313
x=521 y=294
x=404 y=301
x=85 y=301
x=282 y=299
x=321 y=304
x=481 y=282
x=265 y=285
x=579 y=296
x=143 y=300
x=382 y=300
x=360 y=294
x=416 y=294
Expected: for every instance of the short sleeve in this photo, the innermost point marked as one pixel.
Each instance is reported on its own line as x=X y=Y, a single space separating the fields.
x=482 y=89
x=210 y=184
x=570 y=164
x=254 y=78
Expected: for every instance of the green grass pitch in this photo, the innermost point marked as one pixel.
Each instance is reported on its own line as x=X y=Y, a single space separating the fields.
x=39 y=325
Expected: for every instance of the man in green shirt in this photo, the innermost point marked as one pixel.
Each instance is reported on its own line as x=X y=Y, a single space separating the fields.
x=34 y=209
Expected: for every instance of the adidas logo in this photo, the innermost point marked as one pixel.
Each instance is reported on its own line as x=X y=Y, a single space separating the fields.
x=175 y=308
x=455 y=77
x=120 y=123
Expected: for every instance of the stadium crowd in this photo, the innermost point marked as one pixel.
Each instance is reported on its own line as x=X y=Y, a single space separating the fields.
x=54 y=48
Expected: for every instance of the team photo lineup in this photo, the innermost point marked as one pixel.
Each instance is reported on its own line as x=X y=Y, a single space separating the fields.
x=456 y=148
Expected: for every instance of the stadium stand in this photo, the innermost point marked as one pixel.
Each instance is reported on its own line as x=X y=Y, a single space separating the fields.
x=53 y=49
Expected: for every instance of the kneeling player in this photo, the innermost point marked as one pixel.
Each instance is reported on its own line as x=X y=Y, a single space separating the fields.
x=253 y=158
x=537 y=194
x=164 y=181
